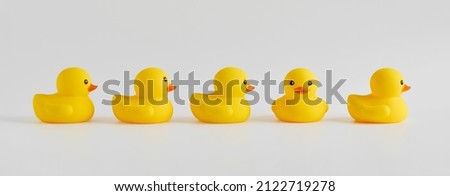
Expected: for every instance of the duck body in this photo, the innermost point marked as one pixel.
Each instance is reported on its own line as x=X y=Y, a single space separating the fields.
x=372 y=109
x=384 y=104
x=235 y=111
x=227 y=103
x=135 y=109
x=71 y=103
x=63 y=109
x=300 y=111
x=150 y=104
x=300 y=103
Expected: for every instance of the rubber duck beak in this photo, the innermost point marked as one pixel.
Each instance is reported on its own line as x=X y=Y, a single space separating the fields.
x=405 y=88
x=92 y=88
x=249 y=88
x=171 y=88
x=300 y=90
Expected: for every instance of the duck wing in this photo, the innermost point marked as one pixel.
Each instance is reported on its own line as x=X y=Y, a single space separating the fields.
x=212 y=109
x=367 y=111
x=380 y=111
x=222 y=111
x=59 y=109
x=141 y=110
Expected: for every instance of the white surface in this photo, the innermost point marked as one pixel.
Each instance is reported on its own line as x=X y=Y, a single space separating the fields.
x=352 y=38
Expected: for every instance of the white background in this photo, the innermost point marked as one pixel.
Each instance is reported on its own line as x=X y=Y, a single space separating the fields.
x=353 y=38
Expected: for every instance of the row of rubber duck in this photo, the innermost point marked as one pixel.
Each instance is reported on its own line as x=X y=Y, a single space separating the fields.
x=71 y=103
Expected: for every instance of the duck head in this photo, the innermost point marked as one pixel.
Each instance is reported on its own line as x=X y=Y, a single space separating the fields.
x=152 y=82
x=300 y=81
x=388 y=82
x=74 y=81
x=232 y=81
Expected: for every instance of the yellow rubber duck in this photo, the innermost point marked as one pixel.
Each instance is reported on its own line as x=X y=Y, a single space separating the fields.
x=227 y=103
x=300 y=102
x=384 y=104
x=71 y=104
x=150 y=104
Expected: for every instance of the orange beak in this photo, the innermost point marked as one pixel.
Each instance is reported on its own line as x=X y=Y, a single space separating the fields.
x=249 y=88
x=171 y=88
x=300 y=90
x=92 y=88
x=405 y=88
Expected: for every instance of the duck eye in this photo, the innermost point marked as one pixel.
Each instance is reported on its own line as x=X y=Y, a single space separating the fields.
x=292 y=82
x=86 y=81
x=165 y=79
x=310 y=83
x=401 y=82
x=245 y=82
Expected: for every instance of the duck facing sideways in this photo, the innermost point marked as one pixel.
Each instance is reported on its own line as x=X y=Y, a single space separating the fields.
x=227 y=103
x=71 y=103
x=300 y=102
x=150 y=104
x=384 y=104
